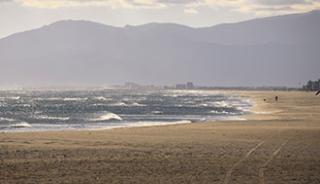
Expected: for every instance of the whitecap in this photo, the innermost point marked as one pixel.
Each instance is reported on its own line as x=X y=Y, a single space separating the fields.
x=75 y=99
x=243 y=108
x=21 y=125
x=98 y=104
x=134 y=104
x=215 y=112
x=118 y=104
x=48 y=99
x=7 y=119
x=10 y=98
x=44 y=117
x=107 y=116
x=137 y=104
x=22 y=105
x=222 y=112
x=203 y=105
x=156 y=112
x=221 y=104
x=101 y=98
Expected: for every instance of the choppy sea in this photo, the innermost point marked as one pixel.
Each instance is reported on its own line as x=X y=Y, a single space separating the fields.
x=51 y=110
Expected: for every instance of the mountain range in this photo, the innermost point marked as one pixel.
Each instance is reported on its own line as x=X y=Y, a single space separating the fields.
x=273 y=51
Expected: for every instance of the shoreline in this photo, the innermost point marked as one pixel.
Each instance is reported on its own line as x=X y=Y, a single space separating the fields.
x=28 y=128
x=281 y=147
x=254 y=113
x=258 y=111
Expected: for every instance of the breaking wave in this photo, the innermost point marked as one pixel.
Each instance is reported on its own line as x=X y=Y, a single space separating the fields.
x=156 y=112
x=221 y=104
x=7 y=119
x=44 y=117
x=222 y=112
x=101 y=98
x=75 y=99
x=60 y=110
x=107 y=116
x=123 y=104
x=20 y=125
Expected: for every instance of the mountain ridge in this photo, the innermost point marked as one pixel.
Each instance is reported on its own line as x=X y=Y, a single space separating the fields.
x=85 y=52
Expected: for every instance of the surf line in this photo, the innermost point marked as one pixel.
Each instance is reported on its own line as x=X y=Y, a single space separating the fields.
x=229 y=173
x=264 y=166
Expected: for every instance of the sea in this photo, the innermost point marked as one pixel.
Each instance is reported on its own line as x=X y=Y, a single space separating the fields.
x=65 y=110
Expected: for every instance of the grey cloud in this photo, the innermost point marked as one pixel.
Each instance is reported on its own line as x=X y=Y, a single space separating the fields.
x=178 y=1
x=185 y=2
x=5 y=1
x=281 y=2
x=275 y=8
x=282 y=6
x=252 y=6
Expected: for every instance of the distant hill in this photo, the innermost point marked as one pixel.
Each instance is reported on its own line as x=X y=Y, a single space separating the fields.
x=273 y=51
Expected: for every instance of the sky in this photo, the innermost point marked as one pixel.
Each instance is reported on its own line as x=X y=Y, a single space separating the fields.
x=21 y=15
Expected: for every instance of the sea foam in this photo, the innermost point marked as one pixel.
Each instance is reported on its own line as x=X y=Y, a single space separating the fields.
x=107 y=116
x=21 y=125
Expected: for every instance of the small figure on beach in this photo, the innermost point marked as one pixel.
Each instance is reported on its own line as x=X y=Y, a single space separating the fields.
x=276 y=98
x=264 y=99
x=318 y=93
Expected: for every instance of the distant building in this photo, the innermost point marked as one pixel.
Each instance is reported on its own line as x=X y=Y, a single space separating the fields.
x=181 y=86
x=188 y=85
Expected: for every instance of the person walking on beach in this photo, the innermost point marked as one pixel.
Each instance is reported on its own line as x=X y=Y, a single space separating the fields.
x=276 y=98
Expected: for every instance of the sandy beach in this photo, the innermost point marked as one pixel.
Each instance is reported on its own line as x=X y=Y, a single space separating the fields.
x=278 y=144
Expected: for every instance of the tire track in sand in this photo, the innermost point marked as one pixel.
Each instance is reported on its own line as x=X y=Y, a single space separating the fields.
x=264 y=166
x=230 y=171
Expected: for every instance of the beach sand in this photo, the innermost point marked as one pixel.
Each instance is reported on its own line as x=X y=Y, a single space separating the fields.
x=279 y=144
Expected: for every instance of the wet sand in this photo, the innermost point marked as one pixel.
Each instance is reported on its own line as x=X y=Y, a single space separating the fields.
x=279 y=144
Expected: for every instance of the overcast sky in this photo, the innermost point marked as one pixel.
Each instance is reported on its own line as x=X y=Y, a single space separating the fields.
x=20 y=15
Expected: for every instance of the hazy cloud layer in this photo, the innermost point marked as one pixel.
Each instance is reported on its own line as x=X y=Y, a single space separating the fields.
x=259 y=7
